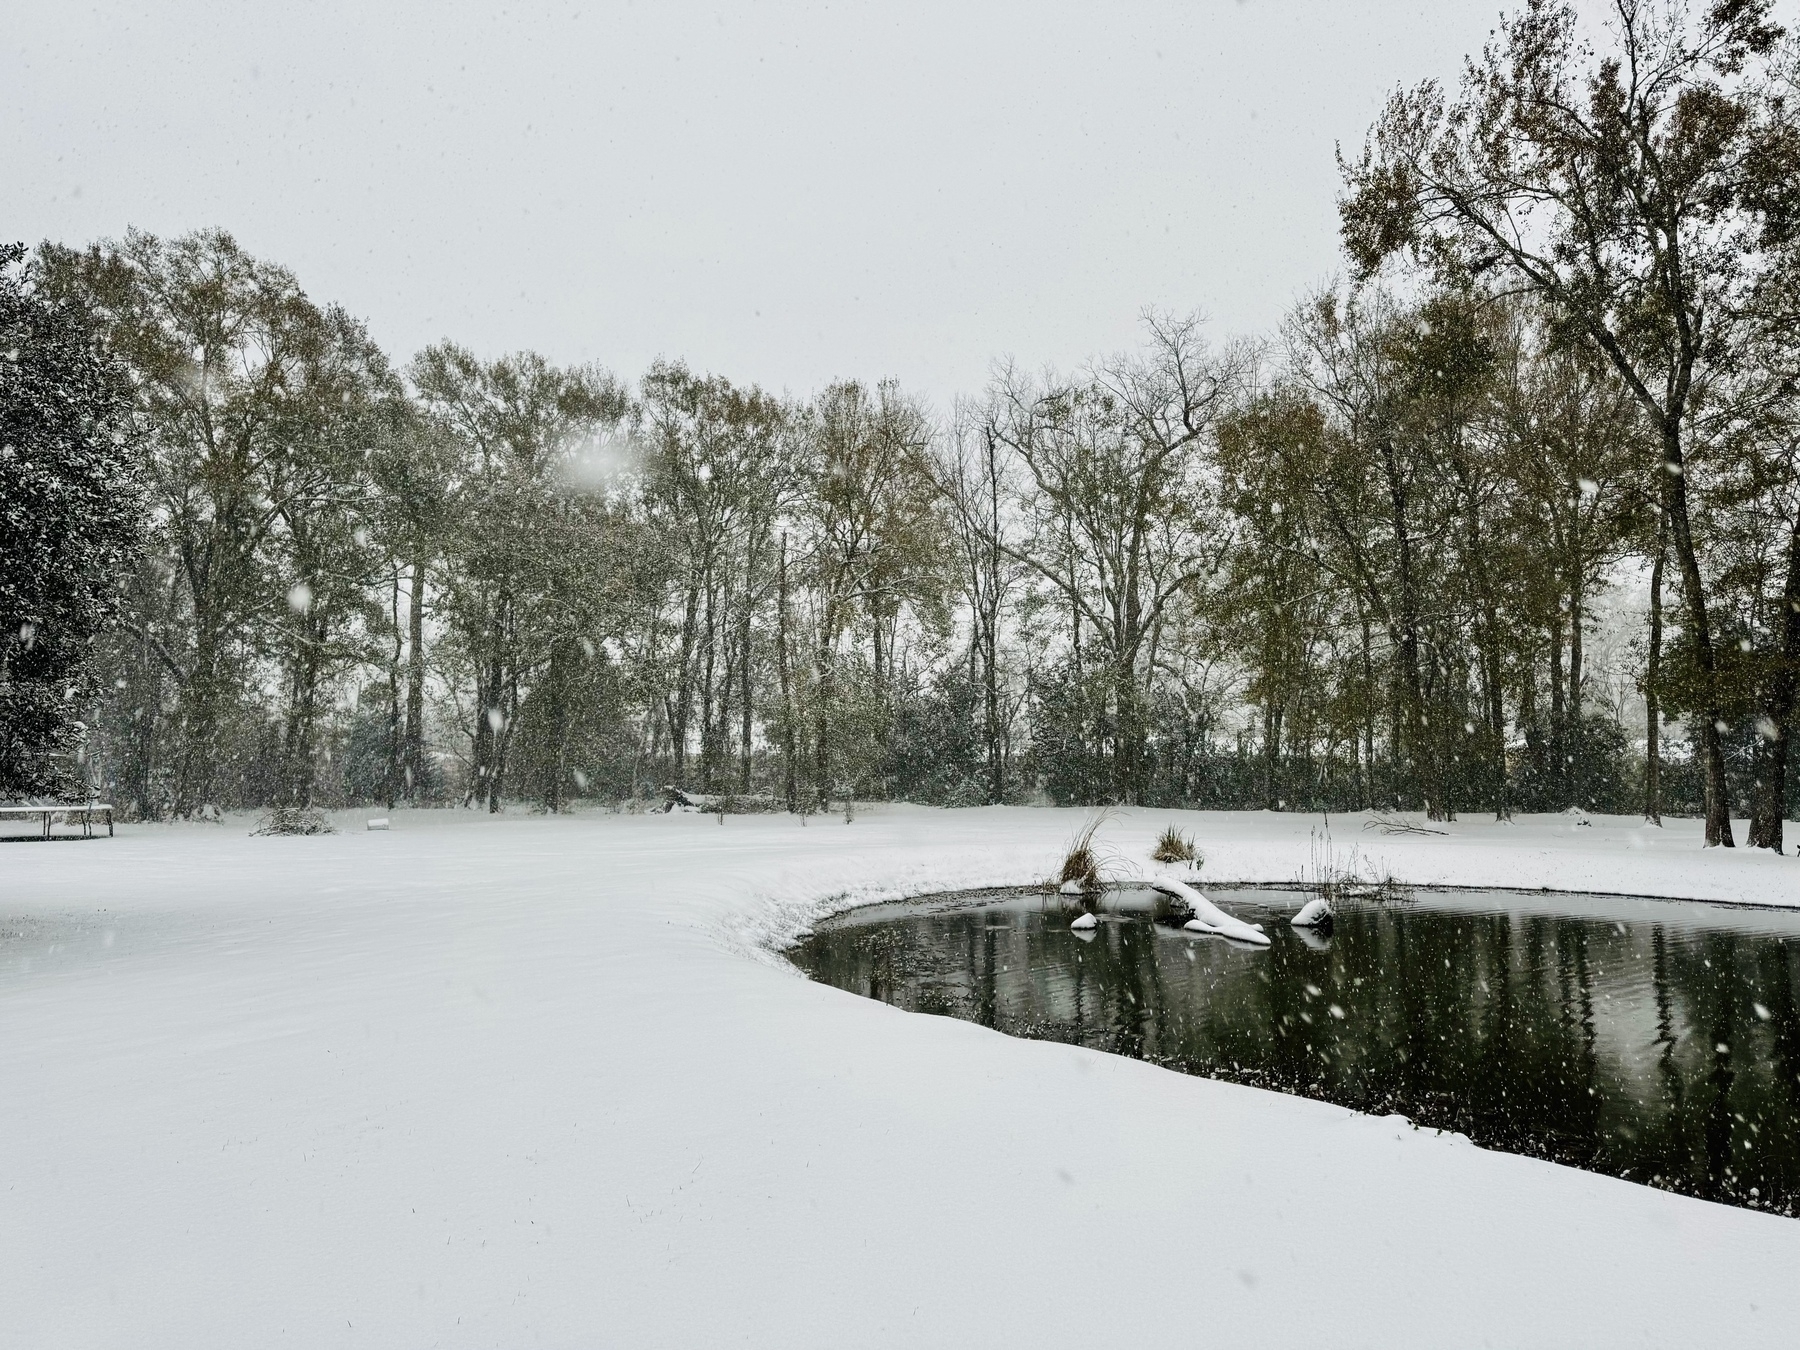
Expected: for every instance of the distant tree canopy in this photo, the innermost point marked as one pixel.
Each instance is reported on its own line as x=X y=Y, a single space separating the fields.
x=70 y=504
x=1510 y=521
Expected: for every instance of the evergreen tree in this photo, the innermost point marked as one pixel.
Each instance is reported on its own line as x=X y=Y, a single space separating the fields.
x=70 y=513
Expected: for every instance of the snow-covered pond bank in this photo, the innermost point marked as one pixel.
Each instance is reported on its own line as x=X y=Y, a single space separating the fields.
x=1652 y=1039
x=478 y=1082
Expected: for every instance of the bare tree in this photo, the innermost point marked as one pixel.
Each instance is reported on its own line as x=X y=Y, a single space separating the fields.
x=1123 y=517
x=970 y=467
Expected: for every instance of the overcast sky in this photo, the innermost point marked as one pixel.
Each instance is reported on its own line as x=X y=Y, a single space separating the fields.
x=784 y=193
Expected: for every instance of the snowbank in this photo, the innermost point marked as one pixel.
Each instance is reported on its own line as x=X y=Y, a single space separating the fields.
x=477 y=1082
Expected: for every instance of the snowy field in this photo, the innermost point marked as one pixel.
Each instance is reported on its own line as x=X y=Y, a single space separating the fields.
x=528 y=1081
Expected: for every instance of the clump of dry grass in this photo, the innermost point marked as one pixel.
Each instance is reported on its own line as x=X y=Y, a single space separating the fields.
x=1348 y=876
x=1081 y=863
x=1172 y=846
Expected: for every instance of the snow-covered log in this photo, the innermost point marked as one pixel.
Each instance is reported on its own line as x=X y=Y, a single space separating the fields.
x=681 y=799
x=1208 y=917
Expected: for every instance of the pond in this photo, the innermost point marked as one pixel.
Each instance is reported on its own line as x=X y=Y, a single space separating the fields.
x=1650 y=1039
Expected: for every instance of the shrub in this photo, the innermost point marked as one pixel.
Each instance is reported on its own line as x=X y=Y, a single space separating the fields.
x=1173 y=846
x=294 y=820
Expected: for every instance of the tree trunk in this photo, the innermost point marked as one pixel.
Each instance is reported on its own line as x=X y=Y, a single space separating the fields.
x=1489 y=640
x=507 y=700
x=490 y=719
x=1712 y=749
x=556 y=716
x=1421 y=759
x=824 y=692
x=1493 y=678
x=1653 y=681
x=1271 y=755
x=1528 y=711
x=139 y=767
x=490 y=714
x=395 y=767
x=1125 y=734
x=480 y=738
x=1777 y=714
x=790 y=780
x=415 y=683
x=1577 y=740
x=990 y=695
x=747 y=711
x=200 y=706
x=297 y=740
x=493 y=722
x=1574 y=739
x=991 y=564
x=1559 y=743
x=1369 y=709
x=681 y=710
x=709 y=731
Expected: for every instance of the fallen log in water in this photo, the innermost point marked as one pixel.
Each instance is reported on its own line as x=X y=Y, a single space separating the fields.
x=1208 y=917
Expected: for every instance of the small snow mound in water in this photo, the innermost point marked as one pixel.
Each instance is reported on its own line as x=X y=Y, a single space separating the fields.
x=1314 y=914
x=1071 y=887
x=1084 y=921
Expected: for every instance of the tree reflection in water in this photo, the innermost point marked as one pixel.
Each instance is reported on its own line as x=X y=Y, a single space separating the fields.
x=1652 y=1040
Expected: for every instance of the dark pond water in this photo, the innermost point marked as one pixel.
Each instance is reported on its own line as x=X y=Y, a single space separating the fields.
x=1654 y=1040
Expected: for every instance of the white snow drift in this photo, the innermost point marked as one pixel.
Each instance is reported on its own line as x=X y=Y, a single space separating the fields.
x=533 y=1081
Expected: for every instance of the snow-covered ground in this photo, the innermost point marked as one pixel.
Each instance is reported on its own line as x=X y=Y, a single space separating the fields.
x=529 y=1081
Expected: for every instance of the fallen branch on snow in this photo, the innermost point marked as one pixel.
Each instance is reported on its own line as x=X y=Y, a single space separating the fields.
x=1396 y=825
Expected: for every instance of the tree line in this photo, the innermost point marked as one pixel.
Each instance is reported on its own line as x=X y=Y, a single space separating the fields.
x=1355 y=564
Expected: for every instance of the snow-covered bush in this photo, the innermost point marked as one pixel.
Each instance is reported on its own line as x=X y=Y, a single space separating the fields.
x=294 y=820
